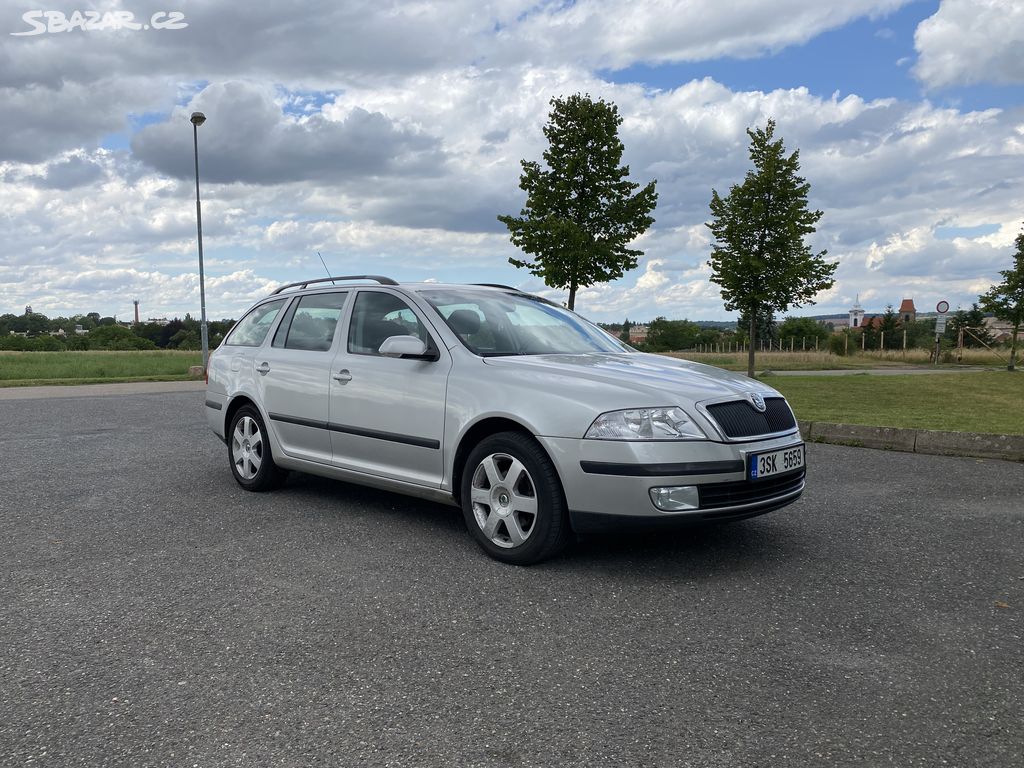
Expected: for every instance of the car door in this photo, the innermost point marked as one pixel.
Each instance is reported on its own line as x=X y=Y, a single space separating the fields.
x=293 y=374
x=387 y=413
x=243 y=343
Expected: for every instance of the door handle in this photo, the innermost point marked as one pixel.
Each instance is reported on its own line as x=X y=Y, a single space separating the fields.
x=343 y=376
x=263 y=368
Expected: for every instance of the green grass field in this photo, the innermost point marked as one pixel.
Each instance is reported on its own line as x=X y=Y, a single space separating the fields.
x=20 y=369
x=959 y=402
x=966 y=402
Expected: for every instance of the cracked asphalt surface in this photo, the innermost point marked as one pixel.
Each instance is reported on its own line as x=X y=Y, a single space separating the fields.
x=153 y=613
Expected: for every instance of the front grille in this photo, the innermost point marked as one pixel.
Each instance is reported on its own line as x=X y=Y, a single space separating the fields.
x=738 y=418
x=716 y=495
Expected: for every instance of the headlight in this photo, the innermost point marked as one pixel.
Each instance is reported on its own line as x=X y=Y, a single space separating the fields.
x=645 y=424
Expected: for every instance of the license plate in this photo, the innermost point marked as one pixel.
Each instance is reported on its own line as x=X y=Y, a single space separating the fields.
x=762 y=465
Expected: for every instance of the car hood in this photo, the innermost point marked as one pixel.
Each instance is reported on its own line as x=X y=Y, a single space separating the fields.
x=666 y=380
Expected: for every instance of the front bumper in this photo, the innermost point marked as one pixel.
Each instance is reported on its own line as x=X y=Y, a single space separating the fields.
x=607 y=483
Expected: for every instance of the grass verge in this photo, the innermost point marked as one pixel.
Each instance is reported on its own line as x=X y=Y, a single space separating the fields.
x=823 y=361
x=981 y=402
x=20 y=369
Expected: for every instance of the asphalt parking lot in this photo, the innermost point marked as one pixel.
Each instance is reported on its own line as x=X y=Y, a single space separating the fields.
x=153 y=613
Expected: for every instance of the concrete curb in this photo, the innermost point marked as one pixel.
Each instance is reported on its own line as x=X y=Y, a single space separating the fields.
x=930 y=441
x=100 y=390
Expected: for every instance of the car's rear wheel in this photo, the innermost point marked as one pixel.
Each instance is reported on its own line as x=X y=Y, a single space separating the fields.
x=252 y=462
x=512 y=500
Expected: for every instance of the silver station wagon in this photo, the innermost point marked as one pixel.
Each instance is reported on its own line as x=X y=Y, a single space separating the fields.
x=534 y=421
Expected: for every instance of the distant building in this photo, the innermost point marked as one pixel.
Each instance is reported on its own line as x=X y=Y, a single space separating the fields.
x=859 y=319
x=159 y=321
x=875 y=321
x=1001 y=331
x=856 y=314
x=28 y=310
x=637 y=334
x=908 y=312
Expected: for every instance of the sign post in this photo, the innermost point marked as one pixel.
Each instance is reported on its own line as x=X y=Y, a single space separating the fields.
x=940 y=326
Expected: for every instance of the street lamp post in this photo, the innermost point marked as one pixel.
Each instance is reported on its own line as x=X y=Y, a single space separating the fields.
x=198 y=118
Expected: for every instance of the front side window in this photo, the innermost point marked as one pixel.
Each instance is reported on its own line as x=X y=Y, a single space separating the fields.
x=311 y=324
x=252 y=329
x=378 y=316
x=492 y=324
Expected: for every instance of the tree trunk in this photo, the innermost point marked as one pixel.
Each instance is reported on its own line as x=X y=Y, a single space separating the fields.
x=1013 y=349
x=753 y=339
x=572 y=296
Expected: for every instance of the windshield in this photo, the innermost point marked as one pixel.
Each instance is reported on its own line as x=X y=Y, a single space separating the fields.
x=490 y=324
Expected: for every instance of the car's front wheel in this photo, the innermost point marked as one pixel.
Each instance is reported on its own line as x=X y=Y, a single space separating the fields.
x=252 y=462
x=512 y=500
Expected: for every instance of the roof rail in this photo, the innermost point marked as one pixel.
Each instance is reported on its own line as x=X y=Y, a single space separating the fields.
x=497 y=285
x=304 y=283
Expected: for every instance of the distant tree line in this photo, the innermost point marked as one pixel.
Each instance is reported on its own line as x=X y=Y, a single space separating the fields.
x=798 y=333
x=35 y=333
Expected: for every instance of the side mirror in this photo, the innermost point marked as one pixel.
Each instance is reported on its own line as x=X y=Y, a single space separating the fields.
x=403 y=346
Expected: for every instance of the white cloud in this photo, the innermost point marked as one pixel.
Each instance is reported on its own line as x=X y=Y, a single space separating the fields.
x=971 y=41
x=389 y=138
x=618 y=33
x=886 y=173
x=244 y=115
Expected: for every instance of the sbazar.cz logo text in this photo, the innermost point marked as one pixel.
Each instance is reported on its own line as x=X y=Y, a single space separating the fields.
x=53 y=22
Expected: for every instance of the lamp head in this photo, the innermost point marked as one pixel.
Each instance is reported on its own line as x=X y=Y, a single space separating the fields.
x=198 y=118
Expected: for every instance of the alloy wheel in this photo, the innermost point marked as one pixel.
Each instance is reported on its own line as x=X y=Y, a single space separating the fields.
x=247 y=447
x=504 y=500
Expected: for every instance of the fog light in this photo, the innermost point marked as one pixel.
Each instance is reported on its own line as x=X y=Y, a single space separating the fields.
x=676 y=499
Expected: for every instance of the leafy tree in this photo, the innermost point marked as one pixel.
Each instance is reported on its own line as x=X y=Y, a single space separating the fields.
x=920 y=334
x=57 y=323
x=219 y=327
x=972 y=323
x=706 y=336
x=665 y=335
x=887 y=335
x=624 y=335
x=844 y=342
x=151 y=331
x=75 y=342
x=47 y=343
x=1006 y=299
x=86 y=321
x=890 y=321
x=35 y=324
x=798 y=328
x=117 y=337
x=759 y=256
x=581 y=208
x=765 y=327
x=168 y=331
x=869 y=336
x=184 y=339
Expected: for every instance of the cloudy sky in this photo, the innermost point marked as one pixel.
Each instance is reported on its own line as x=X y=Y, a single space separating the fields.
x=388 y=135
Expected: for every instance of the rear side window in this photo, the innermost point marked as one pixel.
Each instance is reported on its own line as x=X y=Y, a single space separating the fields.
x=312 y=324
x=252 y=329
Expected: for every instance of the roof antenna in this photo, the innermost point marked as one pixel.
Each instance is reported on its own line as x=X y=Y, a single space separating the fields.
x=325 y=267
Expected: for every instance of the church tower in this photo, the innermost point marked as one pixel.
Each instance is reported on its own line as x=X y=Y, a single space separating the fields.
x=856 y=314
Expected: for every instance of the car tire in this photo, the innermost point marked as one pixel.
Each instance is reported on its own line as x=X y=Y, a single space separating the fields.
x=512 y=500
x=249 y=454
